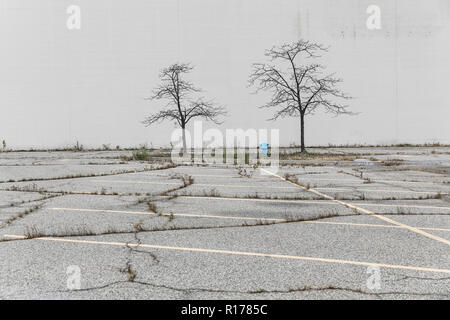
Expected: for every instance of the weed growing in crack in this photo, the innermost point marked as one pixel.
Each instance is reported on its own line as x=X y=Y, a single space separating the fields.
x=292 y=178
x=152 y=207
x=89 y=175
x=186 y=180
x=213 y=193
x=21 y=215
x=33 y=232
x=252 y=196
x=243 y=172
x=28 y=188
x=403 y=211
x=367 y=180
x=131 y=274
x=392 y=162
x=78 y=147
x=141 y=154
x=138 y=227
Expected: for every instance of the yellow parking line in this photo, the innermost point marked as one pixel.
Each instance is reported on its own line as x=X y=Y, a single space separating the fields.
x=240 y=253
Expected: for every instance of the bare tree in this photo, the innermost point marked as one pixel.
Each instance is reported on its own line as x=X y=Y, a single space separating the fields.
x=300 y=88
x=180 y=106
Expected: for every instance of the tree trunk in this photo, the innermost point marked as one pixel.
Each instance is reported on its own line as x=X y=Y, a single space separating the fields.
x=302 y=132
x=184 y=140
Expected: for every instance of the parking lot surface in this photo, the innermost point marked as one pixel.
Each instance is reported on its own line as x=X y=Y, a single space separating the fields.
x=90 y=225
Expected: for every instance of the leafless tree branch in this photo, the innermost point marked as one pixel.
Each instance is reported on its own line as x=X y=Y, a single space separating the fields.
x=181 y=107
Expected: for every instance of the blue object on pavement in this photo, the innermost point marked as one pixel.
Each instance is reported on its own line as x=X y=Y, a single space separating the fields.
x=264 y=147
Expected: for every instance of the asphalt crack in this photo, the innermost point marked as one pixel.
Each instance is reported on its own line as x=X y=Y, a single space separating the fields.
x=92 y=175
x=261 y=291
x=33 y=232
x=21 y=215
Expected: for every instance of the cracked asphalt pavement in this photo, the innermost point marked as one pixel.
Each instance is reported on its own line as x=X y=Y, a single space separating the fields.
x=89 y=225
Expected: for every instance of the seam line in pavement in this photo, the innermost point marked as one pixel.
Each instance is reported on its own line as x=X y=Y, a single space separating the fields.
x=167 y=214
x=241 y=253
x=312 y=201
x=196 y=184
x=267 y=187
x=240 y=218
x=305 y=174
x=378 y=190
